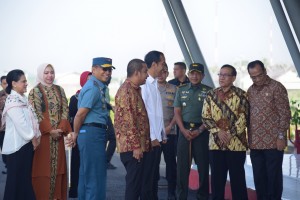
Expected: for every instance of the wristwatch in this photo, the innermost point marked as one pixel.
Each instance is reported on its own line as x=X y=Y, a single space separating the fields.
x=200 y=130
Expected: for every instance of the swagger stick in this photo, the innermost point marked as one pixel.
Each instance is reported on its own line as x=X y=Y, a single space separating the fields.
x=69 y=162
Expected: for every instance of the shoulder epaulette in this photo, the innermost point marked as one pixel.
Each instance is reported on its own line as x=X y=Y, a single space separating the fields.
x=95 y=83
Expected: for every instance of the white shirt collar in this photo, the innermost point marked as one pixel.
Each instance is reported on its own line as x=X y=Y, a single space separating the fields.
x=151 y=80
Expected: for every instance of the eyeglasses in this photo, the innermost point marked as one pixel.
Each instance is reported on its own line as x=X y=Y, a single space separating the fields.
x=257 y=76
x=109 y=69
x=224 y=75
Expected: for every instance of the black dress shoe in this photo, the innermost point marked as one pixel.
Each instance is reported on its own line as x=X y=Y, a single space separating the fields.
x=171 y=197
x=111 y=166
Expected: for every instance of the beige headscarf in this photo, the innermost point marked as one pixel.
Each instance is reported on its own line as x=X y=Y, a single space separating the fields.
x=40 y=73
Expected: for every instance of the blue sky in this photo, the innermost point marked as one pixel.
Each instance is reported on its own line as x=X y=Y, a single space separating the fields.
x=69 y=33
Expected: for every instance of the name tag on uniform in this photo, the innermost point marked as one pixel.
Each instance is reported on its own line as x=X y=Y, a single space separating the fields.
x=169 y=97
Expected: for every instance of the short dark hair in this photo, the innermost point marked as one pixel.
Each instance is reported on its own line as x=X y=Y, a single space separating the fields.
x=135 y=65
x=166 y=67
x=13 y=75
x=182 y=65
x=2 y=78
x=233 y=70
x=152 y=56
x=252 y=64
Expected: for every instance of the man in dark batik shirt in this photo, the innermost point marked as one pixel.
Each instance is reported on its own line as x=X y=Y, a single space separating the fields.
x=225 y=115
x=269 y=120
x=132 y=127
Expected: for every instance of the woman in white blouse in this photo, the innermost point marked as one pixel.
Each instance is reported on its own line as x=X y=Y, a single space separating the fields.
x=21 y=138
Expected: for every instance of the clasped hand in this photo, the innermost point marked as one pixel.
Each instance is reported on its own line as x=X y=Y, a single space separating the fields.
x=71 y=139
x=224 y=137
x=190 y=135
x=56 y=134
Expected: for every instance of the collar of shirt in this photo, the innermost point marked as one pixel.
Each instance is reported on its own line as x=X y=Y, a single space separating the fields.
x=186 y=80
x=220 y=89
x=163 y=85
x=223 y=95
x=152 y=80
x=133 y=85
x=100 y=84
x=190 y=86
x=266 y=82
x=23 y=98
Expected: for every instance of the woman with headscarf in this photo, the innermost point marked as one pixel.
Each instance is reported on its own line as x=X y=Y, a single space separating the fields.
x=21 y=138
x=75 y=161
x=49 y=171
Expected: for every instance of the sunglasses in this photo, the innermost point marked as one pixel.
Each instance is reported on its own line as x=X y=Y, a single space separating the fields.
x=109 y=69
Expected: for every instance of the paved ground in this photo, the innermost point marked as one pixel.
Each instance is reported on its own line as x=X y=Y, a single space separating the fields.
x=116 y=179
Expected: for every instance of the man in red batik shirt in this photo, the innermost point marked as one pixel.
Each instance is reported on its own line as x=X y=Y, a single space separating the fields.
x=132 y=127
x=269 y=120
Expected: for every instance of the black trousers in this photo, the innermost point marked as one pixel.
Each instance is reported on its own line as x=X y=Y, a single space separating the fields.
x=197 y=149
x=18 y=183
x=134 y=169
x=111 y=140
x=75 y=163
x=220 y=163
x=267 y=172
x=169 y=151
x=2 y=133
x=151 y=174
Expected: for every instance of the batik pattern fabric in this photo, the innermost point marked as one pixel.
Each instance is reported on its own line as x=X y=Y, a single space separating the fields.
x=3 y=96
x=270 y=114
x=51 y=107
x=131 y=119
x=229 y=112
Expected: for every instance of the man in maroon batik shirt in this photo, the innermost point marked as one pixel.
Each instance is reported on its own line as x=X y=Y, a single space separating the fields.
x=132 y=127
x=269 y=120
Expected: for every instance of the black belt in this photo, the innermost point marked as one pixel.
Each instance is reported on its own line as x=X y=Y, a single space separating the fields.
x=99 y=125
x=191 y=125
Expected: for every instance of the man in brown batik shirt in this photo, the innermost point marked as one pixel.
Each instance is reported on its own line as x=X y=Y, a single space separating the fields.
x=269 y=120
x=132 y=127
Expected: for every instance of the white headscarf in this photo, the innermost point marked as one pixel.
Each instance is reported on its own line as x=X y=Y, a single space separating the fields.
x=40 y=73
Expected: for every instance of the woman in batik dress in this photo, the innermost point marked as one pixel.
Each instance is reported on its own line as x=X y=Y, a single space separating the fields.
x=49 y=171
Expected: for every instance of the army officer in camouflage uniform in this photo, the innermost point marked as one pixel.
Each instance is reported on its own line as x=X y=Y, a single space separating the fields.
x=193 y=137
